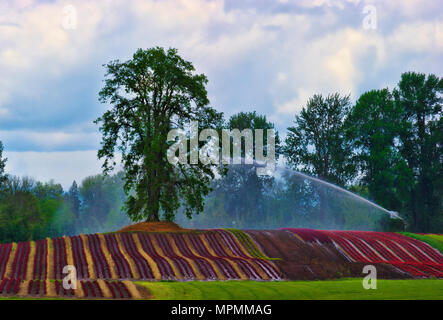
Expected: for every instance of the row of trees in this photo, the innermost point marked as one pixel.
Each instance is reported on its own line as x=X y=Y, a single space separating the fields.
x=31 y=209
x=387 y=147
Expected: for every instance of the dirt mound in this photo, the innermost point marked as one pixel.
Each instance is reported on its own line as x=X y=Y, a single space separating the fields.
x=162 y=226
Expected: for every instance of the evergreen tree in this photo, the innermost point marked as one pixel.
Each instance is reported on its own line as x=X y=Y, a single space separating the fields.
x=73 y=199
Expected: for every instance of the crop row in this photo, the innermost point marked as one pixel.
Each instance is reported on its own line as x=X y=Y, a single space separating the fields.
x=85 y=289
x=410 y=255
x=216 y=254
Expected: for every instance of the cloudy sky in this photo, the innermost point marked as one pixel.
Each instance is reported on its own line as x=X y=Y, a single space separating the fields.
x=262 y=55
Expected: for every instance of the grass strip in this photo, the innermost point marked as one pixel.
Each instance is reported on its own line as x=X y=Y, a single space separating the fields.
x=434 y=241
x=343 y=289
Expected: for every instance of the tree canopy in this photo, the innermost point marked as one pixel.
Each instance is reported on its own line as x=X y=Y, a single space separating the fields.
x=149 y=95
x=316 y=143
x=419 y=98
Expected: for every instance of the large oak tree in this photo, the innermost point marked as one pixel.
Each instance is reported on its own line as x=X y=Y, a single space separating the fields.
x=151 y=94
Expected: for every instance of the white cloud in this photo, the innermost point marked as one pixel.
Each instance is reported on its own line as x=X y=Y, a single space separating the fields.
x=52 y=140
x=419 y=37
x=268 y=60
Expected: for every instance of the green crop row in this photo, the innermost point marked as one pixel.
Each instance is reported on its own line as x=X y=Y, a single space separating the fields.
x=249 y=245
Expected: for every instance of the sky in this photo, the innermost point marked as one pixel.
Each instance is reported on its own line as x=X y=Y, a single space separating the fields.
x=263 y=55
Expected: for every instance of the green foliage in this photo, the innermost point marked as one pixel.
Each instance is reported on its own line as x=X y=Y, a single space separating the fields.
x=371 y=128
x=238 y=197
x=343 y=289
x=420 y=144
x=253 y=121
x=316 y=144
x=20 y=218
x=392 y=143
x=151 y=94
x=34 y=210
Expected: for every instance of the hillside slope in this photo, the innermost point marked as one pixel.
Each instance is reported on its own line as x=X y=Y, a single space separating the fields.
x=108 y=264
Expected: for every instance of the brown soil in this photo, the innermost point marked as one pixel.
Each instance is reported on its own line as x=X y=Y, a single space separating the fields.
x=145 y=293
x=162 y=226
x=313 y=261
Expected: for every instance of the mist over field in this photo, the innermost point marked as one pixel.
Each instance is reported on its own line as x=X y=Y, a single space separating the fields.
x=287 y=198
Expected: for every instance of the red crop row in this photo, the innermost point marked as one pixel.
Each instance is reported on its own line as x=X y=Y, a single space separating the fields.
x=223 y=265
x=89 y=289
x=101 y=267
x=228 y=241
x=244 y=265
x=136 y=256
x=5 y=251
x=121 y=265
x=79 y=257
x=408 y=254
x=37 y=287
x=118 y=290
x=203 y=265
x=40 y=259
x=9 y=286
x=20 y=261
x=144 y=270
x=162 y=264
x=60 y=260
x=183 y=266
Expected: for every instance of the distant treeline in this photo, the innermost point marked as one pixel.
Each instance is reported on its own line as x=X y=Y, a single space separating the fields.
x=31 y=210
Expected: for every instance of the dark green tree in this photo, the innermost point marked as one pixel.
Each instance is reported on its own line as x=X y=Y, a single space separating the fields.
x=149 y=95
x=419 y=98
x=48 y=190
x=242 y=190
x=316 y=144
x=20 y=216
x=252 y=120
x=372 y=127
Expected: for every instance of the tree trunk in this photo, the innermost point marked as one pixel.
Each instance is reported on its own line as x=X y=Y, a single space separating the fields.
x=152 y=208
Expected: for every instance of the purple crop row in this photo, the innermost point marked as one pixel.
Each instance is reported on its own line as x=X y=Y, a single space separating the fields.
x=408 y=254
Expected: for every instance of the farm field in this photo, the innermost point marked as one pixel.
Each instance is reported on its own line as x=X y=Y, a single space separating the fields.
x=122 y=265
